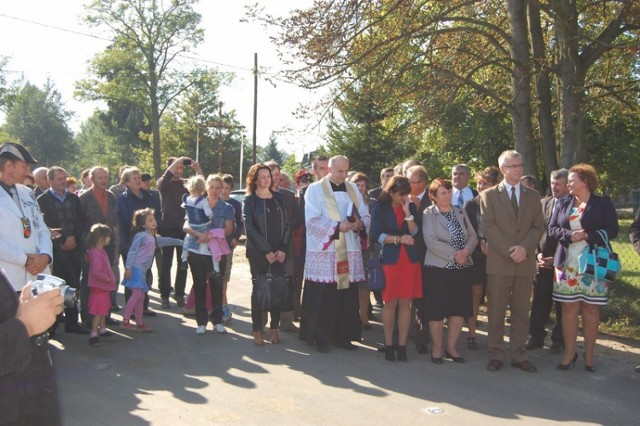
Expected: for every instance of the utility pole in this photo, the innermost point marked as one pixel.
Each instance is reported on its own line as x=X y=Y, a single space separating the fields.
x=220 y=139
x=198 y=138
x=255 y=103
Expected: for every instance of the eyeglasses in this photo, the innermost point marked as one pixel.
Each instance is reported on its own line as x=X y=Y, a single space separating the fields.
x=306 y=179
x=514 y=166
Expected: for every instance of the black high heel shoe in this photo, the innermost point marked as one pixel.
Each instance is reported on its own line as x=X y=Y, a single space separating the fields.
x=572 y=364
x=436 y=360
x=457 y=359
x=589 y=368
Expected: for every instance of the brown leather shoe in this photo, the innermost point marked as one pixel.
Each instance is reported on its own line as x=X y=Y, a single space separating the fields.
x=258 y=340
x=273 y=336
x=525 y=366
x=494 y=365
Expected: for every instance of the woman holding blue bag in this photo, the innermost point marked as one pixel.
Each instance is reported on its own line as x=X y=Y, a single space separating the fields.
x=576 y=223
x=394 y=226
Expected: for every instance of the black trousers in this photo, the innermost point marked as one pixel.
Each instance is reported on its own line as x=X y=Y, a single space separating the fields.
x=67 y=264
x=202 y=273
x=420 y=322
x=541 y=307
x=165 y=266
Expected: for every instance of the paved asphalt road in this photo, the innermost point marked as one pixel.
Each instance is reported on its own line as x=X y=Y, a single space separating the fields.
x=175 y=377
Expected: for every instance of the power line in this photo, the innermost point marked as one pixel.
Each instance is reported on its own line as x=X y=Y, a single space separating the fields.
x=66 y=30
x=84 y=34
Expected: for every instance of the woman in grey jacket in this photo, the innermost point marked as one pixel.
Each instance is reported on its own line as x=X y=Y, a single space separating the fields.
x=450 y=240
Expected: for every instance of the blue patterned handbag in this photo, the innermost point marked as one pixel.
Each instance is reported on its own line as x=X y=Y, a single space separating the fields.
x=599 y=262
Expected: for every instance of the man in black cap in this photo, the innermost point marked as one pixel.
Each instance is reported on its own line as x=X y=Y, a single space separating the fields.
x=25 y=241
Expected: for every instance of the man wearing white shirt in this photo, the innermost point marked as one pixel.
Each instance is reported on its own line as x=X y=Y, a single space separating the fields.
x=460 y=175
x=25 y=241
x=513 y=224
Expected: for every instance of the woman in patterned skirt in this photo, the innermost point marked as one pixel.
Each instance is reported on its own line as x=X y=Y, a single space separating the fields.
x=575 y=224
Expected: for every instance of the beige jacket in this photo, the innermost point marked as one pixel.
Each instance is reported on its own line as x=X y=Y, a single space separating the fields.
x=438 y=239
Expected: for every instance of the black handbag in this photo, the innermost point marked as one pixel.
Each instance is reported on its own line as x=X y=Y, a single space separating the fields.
x=274 y=292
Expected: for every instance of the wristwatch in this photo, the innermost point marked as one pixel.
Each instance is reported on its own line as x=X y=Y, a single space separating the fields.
x=409 y=218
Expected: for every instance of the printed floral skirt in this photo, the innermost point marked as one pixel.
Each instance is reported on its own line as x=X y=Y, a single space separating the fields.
x=570 y=286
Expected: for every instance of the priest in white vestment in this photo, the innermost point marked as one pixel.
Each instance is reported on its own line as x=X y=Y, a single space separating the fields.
x=335 y=213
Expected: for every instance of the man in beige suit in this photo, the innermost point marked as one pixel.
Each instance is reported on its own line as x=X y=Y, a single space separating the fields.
x=513 y=224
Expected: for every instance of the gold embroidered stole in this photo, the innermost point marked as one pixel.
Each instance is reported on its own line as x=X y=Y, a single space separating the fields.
x=341 y=242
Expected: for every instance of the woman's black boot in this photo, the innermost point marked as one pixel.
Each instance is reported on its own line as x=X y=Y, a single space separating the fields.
x=401 y=353
x=389 y=353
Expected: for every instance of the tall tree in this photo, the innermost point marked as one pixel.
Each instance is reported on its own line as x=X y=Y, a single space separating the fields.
x=585 y=31
x=429 y=52
x=423 y=53
x=272 y=152
x=194 y=126
x=521 y=83
x=368 y=130
x=149 y=36
x=38 y=119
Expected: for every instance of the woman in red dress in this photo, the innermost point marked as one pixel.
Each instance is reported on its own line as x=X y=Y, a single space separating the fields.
x=394 y=226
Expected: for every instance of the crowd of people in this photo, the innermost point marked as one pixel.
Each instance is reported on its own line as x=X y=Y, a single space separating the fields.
x=444 y=247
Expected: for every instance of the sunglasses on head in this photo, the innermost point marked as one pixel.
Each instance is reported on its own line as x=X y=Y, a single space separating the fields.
x=306 y=179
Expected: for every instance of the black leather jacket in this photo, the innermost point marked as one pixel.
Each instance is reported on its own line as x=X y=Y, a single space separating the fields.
x=256 y=226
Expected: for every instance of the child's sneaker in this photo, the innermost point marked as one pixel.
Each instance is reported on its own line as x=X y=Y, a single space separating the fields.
x=220 y=329
x=143 y=328
x=226 y=314
x=94 y=341
x=201 y=329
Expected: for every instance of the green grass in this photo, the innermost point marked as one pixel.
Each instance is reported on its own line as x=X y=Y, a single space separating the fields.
x=621 y=316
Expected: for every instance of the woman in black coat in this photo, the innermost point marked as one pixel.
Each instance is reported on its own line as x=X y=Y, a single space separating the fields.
x=268 y=235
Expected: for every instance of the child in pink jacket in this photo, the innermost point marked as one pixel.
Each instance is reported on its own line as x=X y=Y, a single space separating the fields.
x=101 y=282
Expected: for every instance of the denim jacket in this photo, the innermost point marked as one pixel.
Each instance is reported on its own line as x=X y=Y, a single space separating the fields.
x=222 y=212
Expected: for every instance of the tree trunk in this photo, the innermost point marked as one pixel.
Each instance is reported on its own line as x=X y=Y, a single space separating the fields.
x=571 y=74
x=155 y=122
x=521 y=85
x=543 y=90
